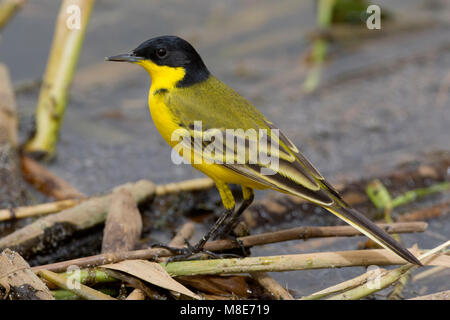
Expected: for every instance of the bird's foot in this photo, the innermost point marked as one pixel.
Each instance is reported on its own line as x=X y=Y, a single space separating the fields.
x=233 y=234
x=245 y=251
x=181 y=254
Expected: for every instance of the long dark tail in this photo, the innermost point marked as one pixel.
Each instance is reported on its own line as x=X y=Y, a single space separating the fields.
x=367 y=227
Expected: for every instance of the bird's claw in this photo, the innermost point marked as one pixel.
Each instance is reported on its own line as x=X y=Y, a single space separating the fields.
x=245 y=251
x=174 y=250
x=189 y=251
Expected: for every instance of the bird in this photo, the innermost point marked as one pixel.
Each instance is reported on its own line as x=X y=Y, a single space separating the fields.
x=189 y=103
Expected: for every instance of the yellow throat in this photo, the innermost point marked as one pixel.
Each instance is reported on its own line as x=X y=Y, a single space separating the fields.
x=163 y=77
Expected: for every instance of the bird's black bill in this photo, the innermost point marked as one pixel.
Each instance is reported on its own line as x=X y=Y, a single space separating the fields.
x=127 y=57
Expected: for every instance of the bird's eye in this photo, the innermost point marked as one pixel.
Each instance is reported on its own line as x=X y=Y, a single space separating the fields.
x=161 y=52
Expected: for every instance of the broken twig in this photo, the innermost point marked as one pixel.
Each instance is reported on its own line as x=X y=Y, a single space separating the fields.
x=388 y=277
x=444 y=295
x=47 y=182
x=17 y=279
x=187 y=185
x=39 y=209
x=276 y=290
x=123 y=224
x=33 y=237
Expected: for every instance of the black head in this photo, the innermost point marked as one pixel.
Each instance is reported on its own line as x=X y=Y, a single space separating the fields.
x=173 y=52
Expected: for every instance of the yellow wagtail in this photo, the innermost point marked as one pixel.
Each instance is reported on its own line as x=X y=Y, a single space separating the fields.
x=187 y=101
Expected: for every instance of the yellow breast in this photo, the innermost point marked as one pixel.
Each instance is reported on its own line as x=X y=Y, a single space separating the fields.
x=166 y=78
x=163 y=118
x=166 y=123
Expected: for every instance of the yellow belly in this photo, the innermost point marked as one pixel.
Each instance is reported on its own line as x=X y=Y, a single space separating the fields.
x=166 y=125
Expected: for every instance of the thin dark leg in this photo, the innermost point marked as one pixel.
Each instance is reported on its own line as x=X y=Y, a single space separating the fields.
x=199 y=246
x=230 y=225
x=228 y=202
x=184 y=253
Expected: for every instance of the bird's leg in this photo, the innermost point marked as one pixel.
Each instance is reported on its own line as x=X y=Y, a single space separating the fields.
x=189 y=250
x=184 y=253
x=248 y=196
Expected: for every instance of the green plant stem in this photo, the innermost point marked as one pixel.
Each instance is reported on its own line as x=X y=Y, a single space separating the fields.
x=369 y=288
x=325 y=13
x=320 y=45
x=318 y=57
x=319 y=260
x=66 y=47
x=284 y=263
x=61 y=294
x=388 y=278
x=79 y=289
x=8 y=8
x=379 y=195
x=91 y=276
x=381 y=198
x=343 y=286
x=412 y=195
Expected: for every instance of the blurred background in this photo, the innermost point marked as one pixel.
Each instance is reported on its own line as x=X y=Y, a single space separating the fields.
x=382 y=99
